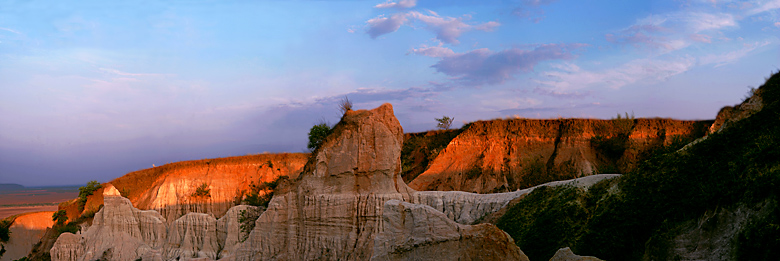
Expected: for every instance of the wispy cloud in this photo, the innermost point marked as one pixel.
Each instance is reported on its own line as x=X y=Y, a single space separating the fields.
x=433 y=51
x=485 y=67
x=571 y=77
x=538 y=2
x=118 y=72
x=385 y=25
x=447 y=29
x=561 y=94
x=673 y=31
x=729 y=57
x=531 y=10
x=403 y=4
x=10 y=30
x=765 y=6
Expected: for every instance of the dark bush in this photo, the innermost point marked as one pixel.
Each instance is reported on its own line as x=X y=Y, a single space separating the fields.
x=317 y=135
x=202 y=191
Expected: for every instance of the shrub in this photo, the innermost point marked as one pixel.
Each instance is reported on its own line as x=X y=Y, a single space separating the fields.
x=345 y=105
x=60 y=217
x=86 y=191
x=317 y=135
x=202 y=191
x=548 y=219
x=247 y=220
x=444 y=123
x=255 y=198
x=259 y=201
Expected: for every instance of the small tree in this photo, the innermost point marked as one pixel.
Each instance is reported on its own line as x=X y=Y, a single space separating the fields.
x=444 y=123
x=317 y=135
x=345 y=105
x=60 y=217
x=202 y=191
x=86 y=191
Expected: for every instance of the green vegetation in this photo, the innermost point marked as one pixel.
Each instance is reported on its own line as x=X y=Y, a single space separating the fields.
x=5 y=233
x=86 y=191
x=317 y=135
x=60 y=217
x=255 y=198
x=616 y=142
x=444 y=123
x=259 y=200
x=202 y=191
x=647 y=206
x=247 y=220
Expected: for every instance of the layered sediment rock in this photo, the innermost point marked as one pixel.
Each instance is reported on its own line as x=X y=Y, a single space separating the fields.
x=350 y=203
x=170 y=188
x=26 y=230
x=419 y=232
x=335 y=209
x=121 y=232
x=506 y=155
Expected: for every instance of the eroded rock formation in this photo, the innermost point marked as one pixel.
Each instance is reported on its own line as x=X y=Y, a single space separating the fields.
x=506 y=155
x=419 y=232
x=349 y=203
x=169 y=188
x=565 y=254
x=121 y=232
x=26 y=230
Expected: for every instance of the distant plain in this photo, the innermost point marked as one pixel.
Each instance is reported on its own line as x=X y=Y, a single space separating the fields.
x=34 y=199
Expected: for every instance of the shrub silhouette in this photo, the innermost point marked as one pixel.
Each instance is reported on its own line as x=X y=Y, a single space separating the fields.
x=444 y=123
x=202 y=191
x=317 y=135
x=60 y=217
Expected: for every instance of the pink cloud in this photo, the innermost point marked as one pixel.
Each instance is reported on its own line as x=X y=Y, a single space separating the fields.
x=403 y=4
x=447 y=29
x=483 y=66
x=702 y=38
x=384 y=25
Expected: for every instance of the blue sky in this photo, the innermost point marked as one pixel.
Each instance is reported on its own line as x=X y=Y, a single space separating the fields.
x=93 y=90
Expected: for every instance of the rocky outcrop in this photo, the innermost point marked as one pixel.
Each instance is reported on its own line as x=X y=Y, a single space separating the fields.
x=713 y=235
x=170 y=188
x=506 y=155
x=26 y=230
x=471 y=208
x=419 y=232
x=730 y=114
x=349 y=203
x=121 y=232
x=334 y=210
x=565 y=254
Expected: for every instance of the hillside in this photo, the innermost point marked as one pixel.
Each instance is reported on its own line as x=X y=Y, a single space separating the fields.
x=170 y=188
x=25 y=231
x=715 y=199
x=506 y=155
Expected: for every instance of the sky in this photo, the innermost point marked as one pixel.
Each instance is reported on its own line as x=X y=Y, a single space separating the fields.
x=92 y=90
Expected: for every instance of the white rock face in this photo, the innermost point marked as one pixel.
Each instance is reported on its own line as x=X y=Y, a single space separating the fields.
x=565 y=254
x=193 y=235
x=467 y=208
x=121 y=232
x=350 y=203
x=413 y=231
